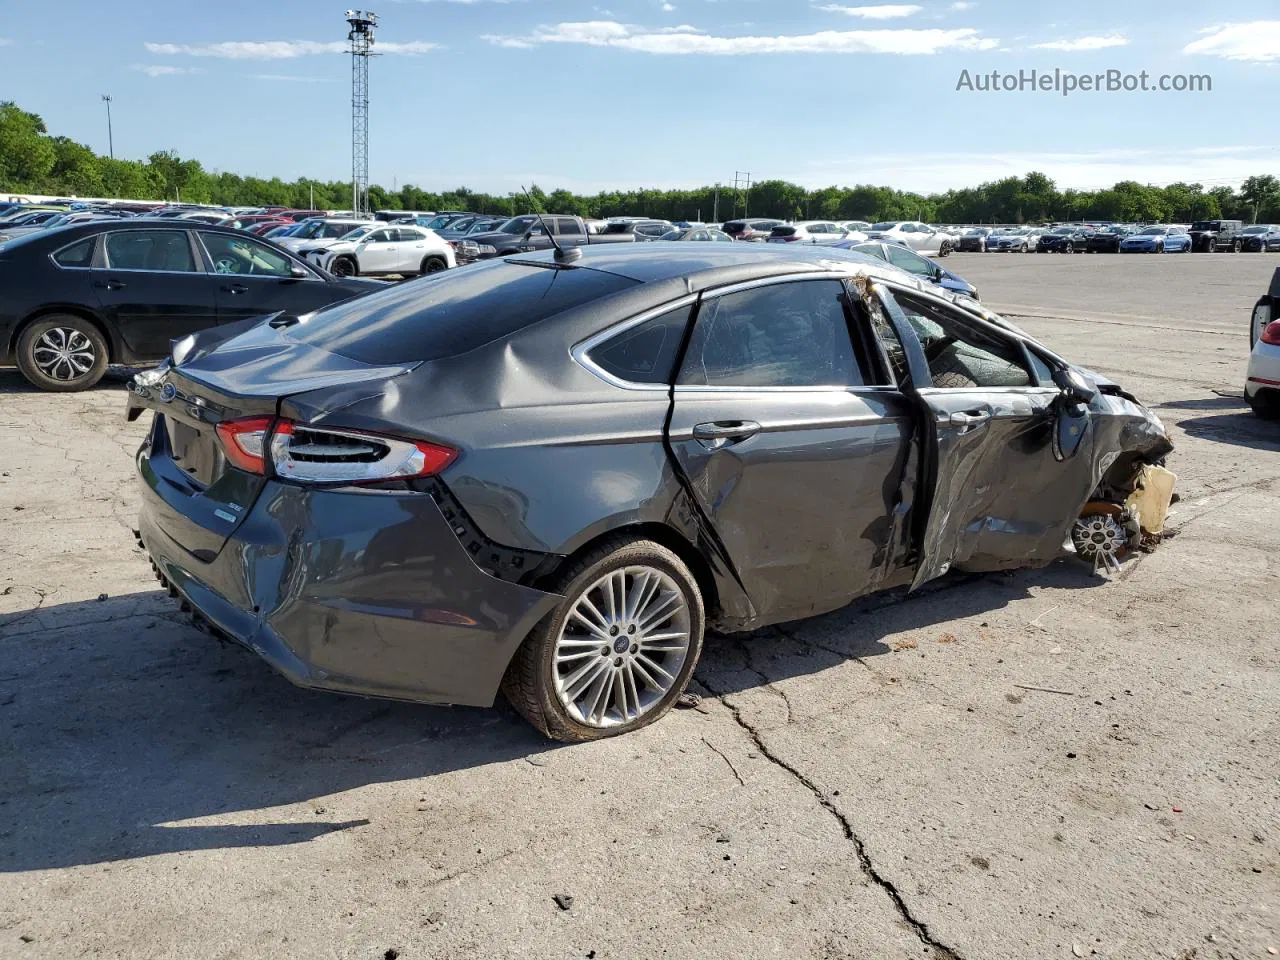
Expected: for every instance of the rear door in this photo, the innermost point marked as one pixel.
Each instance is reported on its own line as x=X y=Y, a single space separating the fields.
x=253 y=279
x=790 y=447
x=1002 y=491
x=153 y=289
x=570 y=232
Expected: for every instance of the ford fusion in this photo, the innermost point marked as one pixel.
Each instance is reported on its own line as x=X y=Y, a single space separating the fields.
x=550 y=474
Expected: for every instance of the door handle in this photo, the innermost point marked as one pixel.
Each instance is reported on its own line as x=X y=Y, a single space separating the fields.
x=721 y=433
x=110 y=284
x=235 y=288
x=969 y=419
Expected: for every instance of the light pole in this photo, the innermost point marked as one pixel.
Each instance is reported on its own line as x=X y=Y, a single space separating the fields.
x=111 y=143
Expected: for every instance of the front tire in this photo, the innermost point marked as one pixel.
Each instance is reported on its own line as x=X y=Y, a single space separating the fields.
x=433 y=265
x=62 y=353
x=619 y=649
x=344 y=267
x=1266 y=406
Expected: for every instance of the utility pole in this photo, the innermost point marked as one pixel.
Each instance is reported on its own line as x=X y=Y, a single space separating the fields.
x=362 y=24
x=111 y=141
x=741 y=181
x=715 y=205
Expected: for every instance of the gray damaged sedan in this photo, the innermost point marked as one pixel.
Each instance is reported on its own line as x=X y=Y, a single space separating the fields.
x=550 y=475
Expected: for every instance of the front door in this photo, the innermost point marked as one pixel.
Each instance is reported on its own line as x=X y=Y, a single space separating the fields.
x=1004 y=486
x=380 y=252
x=253 y=279
x=153 y=290
x=789 y=447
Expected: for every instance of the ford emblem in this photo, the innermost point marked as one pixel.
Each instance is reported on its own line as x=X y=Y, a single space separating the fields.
x=168 y=392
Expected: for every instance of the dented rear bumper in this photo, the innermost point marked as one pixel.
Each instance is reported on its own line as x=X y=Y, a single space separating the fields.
x=359 y=591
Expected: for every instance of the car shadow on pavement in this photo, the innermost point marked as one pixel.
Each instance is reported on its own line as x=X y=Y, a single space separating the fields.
x=122 y=723
x=12 y=381
x=738 y=662
x=1206 y=403
x=1242 y=429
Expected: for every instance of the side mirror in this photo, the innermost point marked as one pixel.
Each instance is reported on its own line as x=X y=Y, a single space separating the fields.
x=297 y=272
x=1074 y=385
x=528 y=234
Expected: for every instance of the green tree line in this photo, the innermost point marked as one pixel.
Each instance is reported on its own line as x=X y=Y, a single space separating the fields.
x=33 y=161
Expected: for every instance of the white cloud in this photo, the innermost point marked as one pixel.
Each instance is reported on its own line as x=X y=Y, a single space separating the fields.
x=886 y=11
x=5 y=41
x=668 y=7
x=276 y=49
x=962 y=5
x=1084 y=43
x=161 y=70
x=291 y=78
x=1258 y=40
x=688 y=40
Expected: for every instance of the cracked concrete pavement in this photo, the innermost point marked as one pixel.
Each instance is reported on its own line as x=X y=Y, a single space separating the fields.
x=1044 y=763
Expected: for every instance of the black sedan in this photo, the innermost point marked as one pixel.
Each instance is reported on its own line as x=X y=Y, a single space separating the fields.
x=974 y=240
x=1107 y=239
x=549 y=474
x=1068 y=239
x=81 y=297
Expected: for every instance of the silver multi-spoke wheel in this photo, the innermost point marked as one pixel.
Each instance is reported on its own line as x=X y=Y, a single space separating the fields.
x=622 y=646
x=63 y=353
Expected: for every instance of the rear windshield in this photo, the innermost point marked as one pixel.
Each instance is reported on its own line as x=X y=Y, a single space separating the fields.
x=783 y=232
x=451 y=313
x=619 y=228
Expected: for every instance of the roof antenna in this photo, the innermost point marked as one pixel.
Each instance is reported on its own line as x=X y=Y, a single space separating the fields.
x=562 y=254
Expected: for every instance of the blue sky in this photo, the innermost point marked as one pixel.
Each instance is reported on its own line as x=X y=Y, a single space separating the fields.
x=665 y=93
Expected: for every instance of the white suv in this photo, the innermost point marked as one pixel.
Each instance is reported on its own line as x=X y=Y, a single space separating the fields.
x=379 y=250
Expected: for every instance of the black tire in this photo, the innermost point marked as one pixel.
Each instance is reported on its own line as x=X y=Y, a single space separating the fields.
x=1069 y=247
x=433 y=265
x=344 y=267
x=528 y=683
x=1266 y=406
x=1159 y=248
x=1235 y=246
x=36 y=356
x=953 y=379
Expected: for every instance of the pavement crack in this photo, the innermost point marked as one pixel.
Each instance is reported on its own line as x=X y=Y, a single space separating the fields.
x=764 y=679
x=721 y=754
x=918 y=926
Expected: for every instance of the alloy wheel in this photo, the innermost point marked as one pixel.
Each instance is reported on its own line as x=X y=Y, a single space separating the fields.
x=622 y=646
x=63 y=353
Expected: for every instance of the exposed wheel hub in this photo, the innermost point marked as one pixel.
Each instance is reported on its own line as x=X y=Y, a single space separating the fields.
x=1100 y=539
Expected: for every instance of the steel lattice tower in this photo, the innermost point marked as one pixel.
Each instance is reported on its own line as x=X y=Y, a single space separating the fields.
x=362 y=23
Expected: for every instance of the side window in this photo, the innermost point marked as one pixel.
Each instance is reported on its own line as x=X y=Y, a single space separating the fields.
x=1042 y=370
x=381 y=236
x=960 y=355
x=699 y=235
x=244 y=257
x=781 y=335
x=167 y=250
x=79 y=254
x=568 y=227
x=647 y=352
x=406 y=236
x=905 y=259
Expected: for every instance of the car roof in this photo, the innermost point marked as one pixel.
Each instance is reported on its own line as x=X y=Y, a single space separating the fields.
x=702 y=266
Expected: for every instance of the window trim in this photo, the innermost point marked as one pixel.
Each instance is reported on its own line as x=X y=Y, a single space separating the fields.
x=93 y=253
x=198 y=266
x=581 y=351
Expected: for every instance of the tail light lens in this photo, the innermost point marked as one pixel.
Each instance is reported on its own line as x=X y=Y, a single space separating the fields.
x=311 y=455
x=1271 y=333
x=244 y=442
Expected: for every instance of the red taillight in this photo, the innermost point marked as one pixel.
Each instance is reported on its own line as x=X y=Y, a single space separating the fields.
x=307 y=454
x=244 y=442
x=1271 y=333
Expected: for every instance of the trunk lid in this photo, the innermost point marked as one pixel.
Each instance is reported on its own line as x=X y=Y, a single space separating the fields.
x=199 y=497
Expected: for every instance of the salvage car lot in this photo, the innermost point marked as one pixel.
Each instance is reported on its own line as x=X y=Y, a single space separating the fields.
x=991 y=768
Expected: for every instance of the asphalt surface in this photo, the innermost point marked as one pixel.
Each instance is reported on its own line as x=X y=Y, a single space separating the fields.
x=1041 y=764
